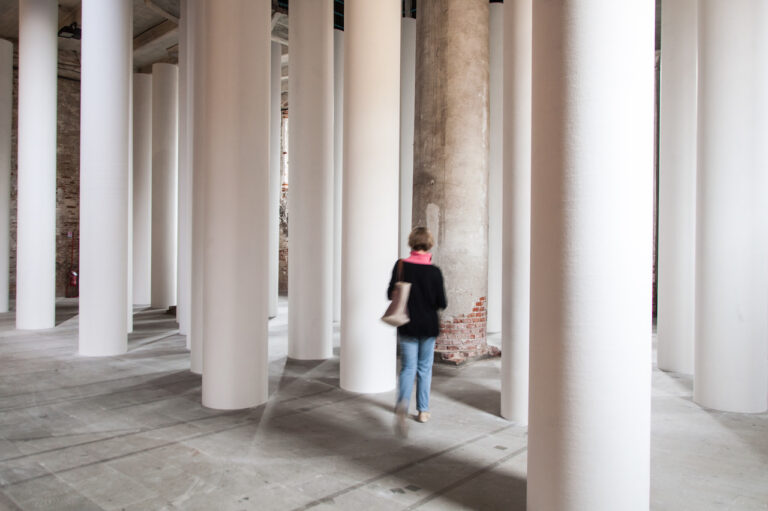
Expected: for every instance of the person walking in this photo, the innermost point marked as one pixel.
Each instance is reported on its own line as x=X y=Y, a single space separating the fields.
x=416 y=339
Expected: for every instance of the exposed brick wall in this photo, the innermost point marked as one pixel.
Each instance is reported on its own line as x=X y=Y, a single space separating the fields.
x=67 y=176
x=463 y=337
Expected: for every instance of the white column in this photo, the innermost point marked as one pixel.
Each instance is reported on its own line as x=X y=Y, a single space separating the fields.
x=591 y=248
x=677 y=186
x=516 y=242
x=495 y=163
x=165 y=102
x=36 y=209
x=338 y=161
x=407 y=110
x=142 y=187
x=6 y=108
x=104 y=160
x=731 y=325
x=197 y=25
x=370 y=202
x=236 y=167
x=186 y=118
x=310 y=196
x=275 y=187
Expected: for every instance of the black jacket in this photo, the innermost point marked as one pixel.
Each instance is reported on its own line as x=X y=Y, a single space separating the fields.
x=426 y=297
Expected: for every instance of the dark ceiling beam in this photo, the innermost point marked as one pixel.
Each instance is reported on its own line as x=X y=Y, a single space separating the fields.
x=153 y=34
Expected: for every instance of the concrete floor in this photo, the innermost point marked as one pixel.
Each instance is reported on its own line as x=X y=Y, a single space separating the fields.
x=129 y=433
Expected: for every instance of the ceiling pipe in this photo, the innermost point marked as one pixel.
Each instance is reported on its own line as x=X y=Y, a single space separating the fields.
x=162 y=12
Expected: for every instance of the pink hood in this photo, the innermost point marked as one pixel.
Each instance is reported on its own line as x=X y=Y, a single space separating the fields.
x=418 y=258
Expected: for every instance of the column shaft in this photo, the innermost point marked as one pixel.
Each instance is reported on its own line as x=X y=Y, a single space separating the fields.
x=165 y=168
x=407 y=111
x=731 y=325
x=495 y=164
x=186 y=141
x=310 y=196
x=142 y=187
x=516 y=266
x=104 y=174
x=591 y=248
x=338 y=161
x=370 y=203
x=677 y=186
x=6 y=109
x=274 y=175
x=36 y=198
x=236 y=169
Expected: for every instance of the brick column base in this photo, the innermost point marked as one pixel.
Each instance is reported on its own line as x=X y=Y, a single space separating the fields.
x=463 y=337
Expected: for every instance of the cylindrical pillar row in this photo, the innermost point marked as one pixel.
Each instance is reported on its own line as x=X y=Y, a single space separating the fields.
x=516 y=242
x=6 y=108
x=371 y=168
x=450 y=170
x=338 y=160
x=407 y=111
x=495 y=164
x=198 y=26
x=677 y=186
x=274 y=174
x=36 y=182
x=310 y=196
x=165 y=168
x=142 y=187
x=236 y=167
x=591 y=255
x=185 y=144
x=731 y=325
x=104 y=174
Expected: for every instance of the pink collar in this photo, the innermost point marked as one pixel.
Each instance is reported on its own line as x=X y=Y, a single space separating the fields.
x=417 y=258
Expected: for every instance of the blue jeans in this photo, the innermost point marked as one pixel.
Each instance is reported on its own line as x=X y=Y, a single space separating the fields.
x=416 y=355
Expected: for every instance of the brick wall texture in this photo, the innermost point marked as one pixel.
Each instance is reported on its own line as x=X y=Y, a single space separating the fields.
x=463 y=337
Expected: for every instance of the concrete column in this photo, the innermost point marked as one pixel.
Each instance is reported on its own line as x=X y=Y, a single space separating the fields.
x=407 y=106
x=495 y=163
x=338 y=160
x=142 y=187
x=36 y=198
x=731 y=325
x=104 y=175
x=6 y=109
x=516 y=257
x=197 y=25
x=450 y=175
x=591 y=255
x=236 y=168
x=185 y=144
x=677 y=186
x=310 y=197
x=371 y=139
x=274 y=175
x=165 y=167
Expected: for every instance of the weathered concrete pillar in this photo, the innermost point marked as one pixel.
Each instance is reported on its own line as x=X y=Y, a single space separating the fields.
x=677 y=186
x=6 y=103
x=496 y=30
x=407 y=105
x=591 y=246
x=450 y=174
x=731 y=324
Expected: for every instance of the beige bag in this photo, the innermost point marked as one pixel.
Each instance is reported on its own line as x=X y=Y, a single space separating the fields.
x=397 y=312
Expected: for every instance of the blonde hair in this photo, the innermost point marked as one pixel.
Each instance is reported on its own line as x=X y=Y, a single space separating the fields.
x=421 y=239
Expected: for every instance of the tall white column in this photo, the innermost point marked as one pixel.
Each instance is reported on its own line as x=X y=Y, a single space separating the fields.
x=407 y=110
x=591 y=248
x=731 y=325
x=495 y=163
x=275 y=187
x=165 y=167
x=197 y=25
x=36 y=209
x=142 y=187
x=104 y=160
x=236 y=167
x=516 y=242
x=6 y=108
x=310 y=197
x=677 y=186
x=370 y=202
x=186 y=118
x=338 y=161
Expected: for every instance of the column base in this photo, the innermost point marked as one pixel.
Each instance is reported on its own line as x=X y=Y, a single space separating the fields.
x=462 y=356
x=463 y=337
